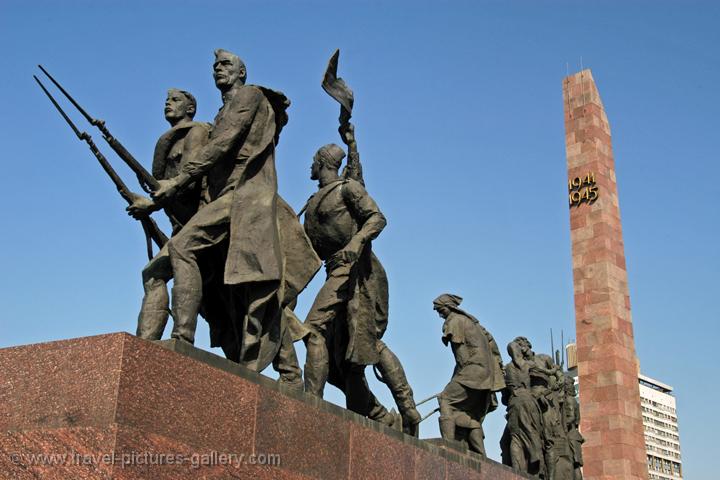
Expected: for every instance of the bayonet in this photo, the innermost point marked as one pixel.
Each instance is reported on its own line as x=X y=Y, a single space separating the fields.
x=427 y=399
x=152 y=231
x=147 y=182
x=425 y=417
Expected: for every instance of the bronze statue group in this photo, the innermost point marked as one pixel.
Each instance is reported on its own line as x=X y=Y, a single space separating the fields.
x=239 y=256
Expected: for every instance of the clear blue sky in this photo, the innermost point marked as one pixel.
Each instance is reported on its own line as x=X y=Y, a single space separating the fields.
x=460 y=127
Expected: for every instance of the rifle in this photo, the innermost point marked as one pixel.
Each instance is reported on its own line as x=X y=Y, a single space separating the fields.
x=151 y=229
x=147 y=181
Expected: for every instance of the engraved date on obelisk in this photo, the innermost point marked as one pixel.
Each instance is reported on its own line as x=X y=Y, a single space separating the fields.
x=582 y=190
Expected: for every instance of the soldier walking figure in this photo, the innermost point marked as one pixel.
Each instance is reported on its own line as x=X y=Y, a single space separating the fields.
x=349 y=315
x=171 y=149
x=478 y=374
x=268 y=259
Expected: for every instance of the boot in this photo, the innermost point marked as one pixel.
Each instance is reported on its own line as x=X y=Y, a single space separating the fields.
x=317 y=364
x=390 y=418
x=476 y=442
x=185 y=311
x=151 y=323
x=447 y=427
x=393 y=375
x=154 y=311
x=286 y=364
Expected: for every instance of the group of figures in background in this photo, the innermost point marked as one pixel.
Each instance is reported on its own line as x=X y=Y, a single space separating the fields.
x=239 y=256
x=541 y=437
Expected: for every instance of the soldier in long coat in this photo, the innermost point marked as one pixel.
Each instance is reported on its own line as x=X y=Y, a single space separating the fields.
x=269 y=260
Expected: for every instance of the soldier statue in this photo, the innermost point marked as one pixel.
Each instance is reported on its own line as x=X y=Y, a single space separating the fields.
x=171 y=150
x=548 y=385
x=349 y=315
x=522 y=440
x=571 y=410
x=266 y=258
x=478 y=374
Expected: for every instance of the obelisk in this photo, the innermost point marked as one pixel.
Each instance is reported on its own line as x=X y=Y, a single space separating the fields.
x=611 y=418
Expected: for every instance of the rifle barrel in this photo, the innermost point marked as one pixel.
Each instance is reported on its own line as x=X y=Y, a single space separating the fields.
x=119 y=184
x=72 y=100
x=427 y=399
x=147 y=181
x=149 y=226
x=79 y=134
x=428 y=415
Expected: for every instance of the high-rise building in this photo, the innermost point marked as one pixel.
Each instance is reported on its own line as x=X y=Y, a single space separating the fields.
x=662 y=440
x=660 y=423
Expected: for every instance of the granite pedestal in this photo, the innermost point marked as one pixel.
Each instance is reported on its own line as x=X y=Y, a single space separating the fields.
x=118 y=407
